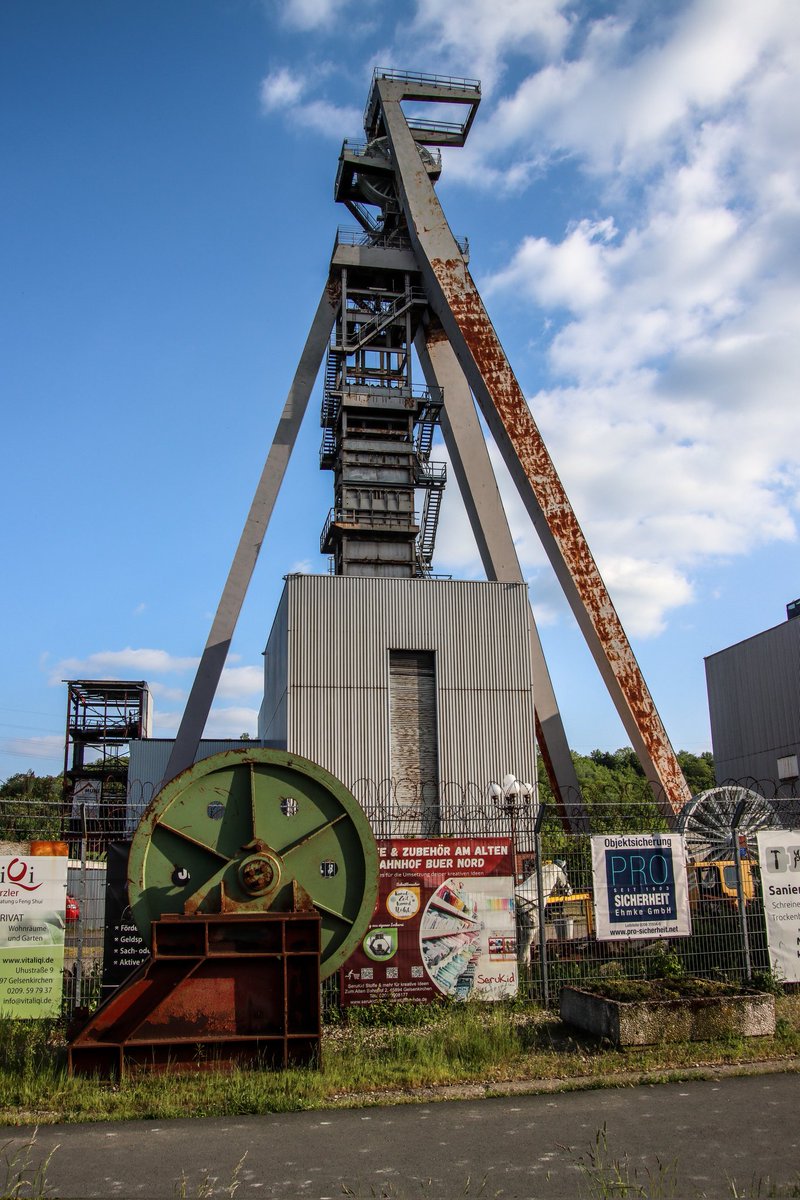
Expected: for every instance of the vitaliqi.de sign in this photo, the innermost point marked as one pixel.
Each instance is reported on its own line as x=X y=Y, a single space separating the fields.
x=33 y=897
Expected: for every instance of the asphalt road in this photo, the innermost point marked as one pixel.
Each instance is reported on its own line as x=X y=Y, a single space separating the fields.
x=733 y=1137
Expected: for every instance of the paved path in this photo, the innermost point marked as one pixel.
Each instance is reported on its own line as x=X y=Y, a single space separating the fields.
x=741 y=1129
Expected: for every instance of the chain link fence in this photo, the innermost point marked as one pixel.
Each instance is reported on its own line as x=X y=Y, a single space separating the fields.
x=87 y=828
x=553 y=882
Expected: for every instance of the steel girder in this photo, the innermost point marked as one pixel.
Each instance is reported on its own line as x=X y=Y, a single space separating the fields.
x=458 y=305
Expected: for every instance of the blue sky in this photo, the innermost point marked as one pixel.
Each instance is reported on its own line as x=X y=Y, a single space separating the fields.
x=631 y=191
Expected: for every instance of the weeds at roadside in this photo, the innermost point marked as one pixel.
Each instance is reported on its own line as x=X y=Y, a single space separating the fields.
x=426 y=1190
x=395 y=1049
x=604 y=1175
x=21 y=1173
x=763 y=1188
x=208 y=1185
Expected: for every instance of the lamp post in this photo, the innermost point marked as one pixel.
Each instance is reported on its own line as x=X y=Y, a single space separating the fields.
x=512 y=796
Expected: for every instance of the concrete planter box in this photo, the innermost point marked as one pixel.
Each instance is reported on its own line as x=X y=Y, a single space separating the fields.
x=693 y=1019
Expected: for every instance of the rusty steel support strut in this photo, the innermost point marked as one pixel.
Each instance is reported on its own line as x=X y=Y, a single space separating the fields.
x=469 y=456
x=455 y=299
x=216 y=649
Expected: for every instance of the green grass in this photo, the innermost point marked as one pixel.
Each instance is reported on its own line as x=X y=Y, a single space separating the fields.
x=365 y=1058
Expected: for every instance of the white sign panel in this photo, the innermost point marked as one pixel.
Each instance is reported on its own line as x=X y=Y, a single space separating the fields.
x=640 y=886
x=779 y=859
x=33 y=894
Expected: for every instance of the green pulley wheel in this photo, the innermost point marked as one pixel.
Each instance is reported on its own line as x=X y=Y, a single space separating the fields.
x=251 y=831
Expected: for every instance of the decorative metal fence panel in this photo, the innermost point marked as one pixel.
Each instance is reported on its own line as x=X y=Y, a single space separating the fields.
x=553 y=876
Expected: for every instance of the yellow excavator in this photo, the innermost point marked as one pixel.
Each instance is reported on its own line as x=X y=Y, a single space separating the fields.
x=714 y=882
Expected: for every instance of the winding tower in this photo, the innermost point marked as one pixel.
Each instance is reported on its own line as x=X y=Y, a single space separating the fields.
x=403 y=278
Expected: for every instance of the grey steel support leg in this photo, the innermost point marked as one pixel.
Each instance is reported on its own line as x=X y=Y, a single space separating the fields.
x=455 y=299
x=213 y=658
x=476 y=481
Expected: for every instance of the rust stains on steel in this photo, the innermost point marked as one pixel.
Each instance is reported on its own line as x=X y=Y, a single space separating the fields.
x=434 y=333
x=512 y=408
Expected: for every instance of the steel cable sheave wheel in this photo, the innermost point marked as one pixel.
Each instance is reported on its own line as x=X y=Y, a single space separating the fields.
x=253 y=831
x=707 y=822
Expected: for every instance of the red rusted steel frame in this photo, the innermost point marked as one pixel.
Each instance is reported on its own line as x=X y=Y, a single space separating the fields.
x=219 y=990
x=472 y=467
x=457 y=303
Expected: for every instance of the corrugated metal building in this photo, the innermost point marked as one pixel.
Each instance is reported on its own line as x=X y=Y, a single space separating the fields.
x=147 y=764
x=424 y=681
x=754 y=704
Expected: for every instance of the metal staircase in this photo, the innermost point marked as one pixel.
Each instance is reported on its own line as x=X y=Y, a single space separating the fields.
x=433 y=477
x=428 y=420
x=331 y=403
x=377 y=323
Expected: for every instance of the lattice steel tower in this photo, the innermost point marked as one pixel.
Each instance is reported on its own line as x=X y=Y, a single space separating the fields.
x=377 y=426
x=405 y=278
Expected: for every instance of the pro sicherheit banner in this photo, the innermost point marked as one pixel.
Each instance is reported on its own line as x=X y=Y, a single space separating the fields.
x=640 y=888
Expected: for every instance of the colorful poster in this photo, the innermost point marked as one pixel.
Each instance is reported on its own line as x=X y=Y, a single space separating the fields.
x=779 y=859
x=640 y=888
x=444 y=924
x=33 y=897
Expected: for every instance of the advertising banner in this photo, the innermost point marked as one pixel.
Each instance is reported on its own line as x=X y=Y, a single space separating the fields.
x=779 y=859
x=33 y=898
x=640 y=886
x=124 y=948
x=444 y=924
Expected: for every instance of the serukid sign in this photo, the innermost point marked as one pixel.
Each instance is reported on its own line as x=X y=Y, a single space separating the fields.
x=33 y=893
x=444 y=924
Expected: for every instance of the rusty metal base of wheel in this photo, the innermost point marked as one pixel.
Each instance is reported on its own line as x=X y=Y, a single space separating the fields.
x=218 y=991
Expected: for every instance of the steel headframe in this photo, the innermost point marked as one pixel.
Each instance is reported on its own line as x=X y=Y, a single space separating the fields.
x=454 y=298
x=466 y=333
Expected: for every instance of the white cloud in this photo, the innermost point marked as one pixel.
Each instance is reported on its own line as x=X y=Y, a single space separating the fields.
x=223 y=722
x=284 y=91
x=47 y=747
x=237 y=682
x=671 y=315
x=476 y=36
x=644 y=591
x=328 y=119
x=162 y=691
x=621 y=101
x=669 y=304
x=280 y=89
x=115 y=664
x=572 y=273
x=232 y=722
x=240 y=682
x=311 y=14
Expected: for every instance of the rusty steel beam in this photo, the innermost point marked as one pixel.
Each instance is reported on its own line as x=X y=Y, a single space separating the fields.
x=475 y=476
x=216 y=649
x=458 y=305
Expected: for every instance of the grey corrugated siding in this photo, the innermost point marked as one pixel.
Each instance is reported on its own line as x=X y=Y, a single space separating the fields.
x=754 y=703
x=148 y=762
x=272 y=717
x=339 y=632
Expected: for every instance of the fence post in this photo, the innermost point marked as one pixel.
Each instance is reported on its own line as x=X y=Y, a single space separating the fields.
x=740 y=896
x=541 y=900
x=82 y=913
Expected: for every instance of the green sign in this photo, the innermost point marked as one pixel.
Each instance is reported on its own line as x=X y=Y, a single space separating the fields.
x=33 y=894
